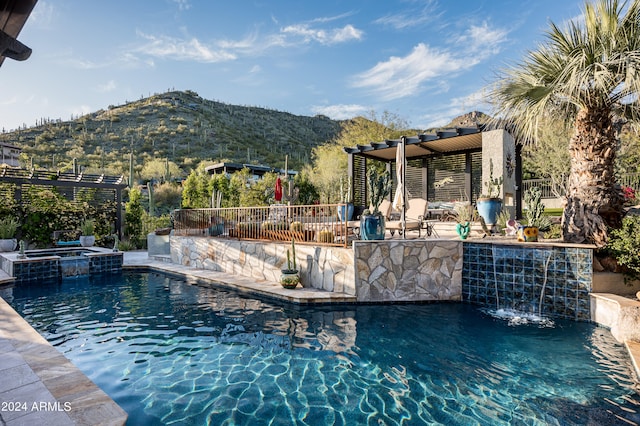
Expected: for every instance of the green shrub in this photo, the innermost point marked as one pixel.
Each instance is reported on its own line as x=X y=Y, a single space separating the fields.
x=133 y=218
x=88 y=227
x=624 y=245
x=151 y=223
x=554 y=232
x=8 y=227
x=126 y=245
x=48 y=211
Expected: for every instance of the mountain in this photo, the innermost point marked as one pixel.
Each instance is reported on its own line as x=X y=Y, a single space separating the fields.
x=469 y=119
x=184 y=128
x=178 y=125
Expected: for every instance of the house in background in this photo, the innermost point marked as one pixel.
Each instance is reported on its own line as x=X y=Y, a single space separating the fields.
x=257 y=171
x=9 y=154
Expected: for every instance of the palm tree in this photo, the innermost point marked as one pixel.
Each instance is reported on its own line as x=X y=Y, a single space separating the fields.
x=587 y=74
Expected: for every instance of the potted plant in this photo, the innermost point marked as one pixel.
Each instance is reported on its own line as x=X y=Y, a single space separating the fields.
x=290 y=276
x=345 y=211
x=372 y=221
x=464 y=215
x=8 y=228
x=87 y=239
x=489 y=204
x=536 y=220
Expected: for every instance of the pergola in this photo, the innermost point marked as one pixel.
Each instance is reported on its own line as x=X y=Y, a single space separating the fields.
x=106 y=188
x=449 y=165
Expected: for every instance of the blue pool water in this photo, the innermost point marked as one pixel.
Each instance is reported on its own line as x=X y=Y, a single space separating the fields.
x=174 y=353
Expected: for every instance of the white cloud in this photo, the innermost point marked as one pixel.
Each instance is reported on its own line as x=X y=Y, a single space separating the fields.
x=427 y=67
x=332 y=36
x=476 y=101
x=412 y=17
x=109 y=86
x=80 y=110
x=254 y=44
x=403 y=76
x=182 y=4
x=42 y=15
x=173 y=48
x=483 y=38
x=340 y=112
x=9 y=101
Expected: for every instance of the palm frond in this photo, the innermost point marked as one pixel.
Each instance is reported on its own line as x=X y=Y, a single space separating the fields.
x=592 y=64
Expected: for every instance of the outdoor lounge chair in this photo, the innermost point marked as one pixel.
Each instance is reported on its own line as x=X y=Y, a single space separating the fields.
x=414 y=217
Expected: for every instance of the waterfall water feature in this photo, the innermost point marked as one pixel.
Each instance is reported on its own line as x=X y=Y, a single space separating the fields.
x=74 y=266
x=544 y=283
x=513 y=311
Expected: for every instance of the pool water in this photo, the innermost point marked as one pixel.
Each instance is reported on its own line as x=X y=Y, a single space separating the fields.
x=169 y=352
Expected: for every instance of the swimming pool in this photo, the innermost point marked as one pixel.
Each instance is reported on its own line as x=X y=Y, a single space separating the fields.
x=169 y=352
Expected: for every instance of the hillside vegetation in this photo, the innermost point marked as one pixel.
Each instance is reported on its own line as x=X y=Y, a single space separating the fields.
x=179 y=126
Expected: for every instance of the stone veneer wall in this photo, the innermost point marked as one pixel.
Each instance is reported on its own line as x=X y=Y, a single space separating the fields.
x=324 y=268
x=408 y=270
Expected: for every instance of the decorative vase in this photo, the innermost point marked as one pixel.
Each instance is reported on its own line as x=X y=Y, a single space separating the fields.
x=8 y=244
x=463 y=229
x=489 y=209
x=289 y=278
x=87 y=240
x=372 y=227
x=527 y=234
x=345 y=209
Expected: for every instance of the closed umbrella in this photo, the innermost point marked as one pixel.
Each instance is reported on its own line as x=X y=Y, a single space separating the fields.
x=399 y=197
x=278 y=190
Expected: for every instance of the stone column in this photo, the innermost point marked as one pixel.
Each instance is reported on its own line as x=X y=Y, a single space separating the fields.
x=498 y=147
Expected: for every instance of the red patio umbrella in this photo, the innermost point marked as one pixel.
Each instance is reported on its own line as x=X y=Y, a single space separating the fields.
x=278 y=192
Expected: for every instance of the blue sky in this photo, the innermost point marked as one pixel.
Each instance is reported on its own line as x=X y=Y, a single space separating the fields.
x=426 y=61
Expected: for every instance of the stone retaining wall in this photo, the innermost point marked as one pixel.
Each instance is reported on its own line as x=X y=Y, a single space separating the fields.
x=323 y=268
x=408 y=270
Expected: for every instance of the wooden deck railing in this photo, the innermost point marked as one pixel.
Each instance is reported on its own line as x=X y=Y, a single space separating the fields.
x=317 y=224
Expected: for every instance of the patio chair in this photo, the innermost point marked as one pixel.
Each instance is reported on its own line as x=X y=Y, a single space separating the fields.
x=414 y=217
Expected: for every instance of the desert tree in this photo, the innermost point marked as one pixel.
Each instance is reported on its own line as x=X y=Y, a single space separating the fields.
x=587 y=73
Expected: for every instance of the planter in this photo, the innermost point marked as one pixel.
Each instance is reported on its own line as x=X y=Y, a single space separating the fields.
x=346 y=209
x=289 y=278
x=8 y=244
x=527 y=234
x=87 y=240
x=372 y=227
x=489 y=209
x=463 y=229
x=216 y=230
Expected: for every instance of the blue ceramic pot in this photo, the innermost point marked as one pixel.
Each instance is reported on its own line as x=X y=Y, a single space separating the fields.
x=372 y=227
x=348 y=208
x=489 y=209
